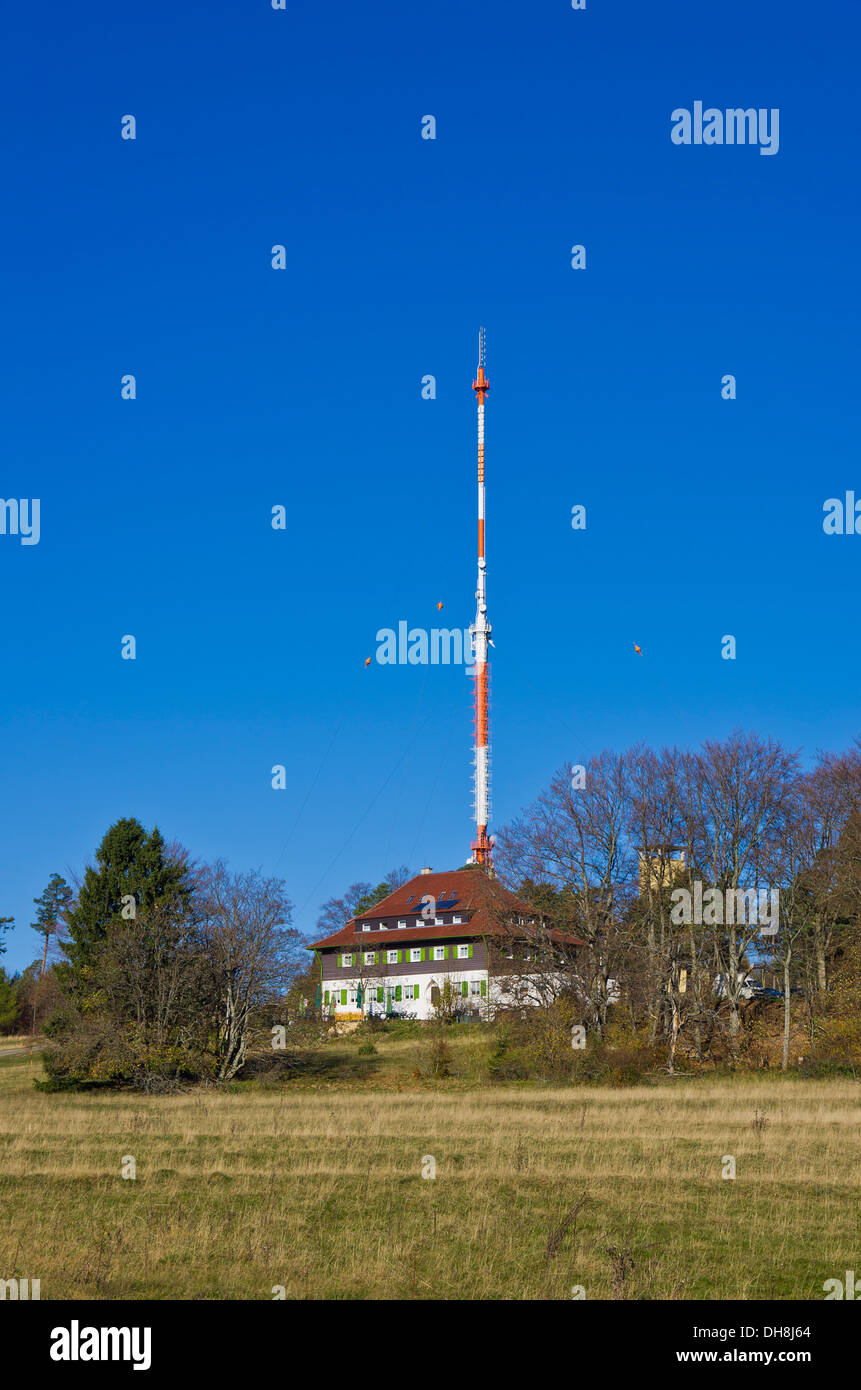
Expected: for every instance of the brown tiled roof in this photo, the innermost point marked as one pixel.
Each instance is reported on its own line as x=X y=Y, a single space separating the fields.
x=472 y=887
x=484 y=899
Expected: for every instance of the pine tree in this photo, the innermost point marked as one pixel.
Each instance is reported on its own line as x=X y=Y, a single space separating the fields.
x=371 y=898
x=8 y=1002
x=52 y=905
x=133 y=873
x=6 y=924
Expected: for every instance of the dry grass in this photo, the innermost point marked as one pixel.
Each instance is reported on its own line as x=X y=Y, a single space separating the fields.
x=319 y=1189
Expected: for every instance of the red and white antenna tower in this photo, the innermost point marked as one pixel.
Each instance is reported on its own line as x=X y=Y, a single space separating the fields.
x=482 y=846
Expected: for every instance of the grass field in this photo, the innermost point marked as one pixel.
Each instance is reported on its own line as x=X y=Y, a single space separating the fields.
x=316 y=1184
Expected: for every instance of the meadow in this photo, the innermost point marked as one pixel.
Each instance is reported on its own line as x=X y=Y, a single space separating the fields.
x=310 y=1179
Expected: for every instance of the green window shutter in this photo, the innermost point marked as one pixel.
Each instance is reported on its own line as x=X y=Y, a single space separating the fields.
x=400 y=957
x=426 y=953
x=339 y=960
x=448 y=952
x=379 y=994
x=484 y=989
x=343 y=996
x=470 y=950
x=464 y=987
x=397 y=991
x=326 y=997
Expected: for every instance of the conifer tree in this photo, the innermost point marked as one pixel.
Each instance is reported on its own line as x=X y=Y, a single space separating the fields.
x=133 y=872
x=8 y=1002
x=51 y=904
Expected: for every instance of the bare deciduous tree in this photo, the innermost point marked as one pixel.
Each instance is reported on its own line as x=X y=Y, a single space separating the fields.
x=252 y=953
x=574 y=841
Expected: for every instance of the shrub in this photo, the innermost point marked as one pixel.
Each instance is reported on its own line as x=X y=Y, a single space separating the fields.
x=540 y=1048
x=837 y=1037
x=399 y=1028
x=435 y=1060
x=504 y=1063
x=92 y=1050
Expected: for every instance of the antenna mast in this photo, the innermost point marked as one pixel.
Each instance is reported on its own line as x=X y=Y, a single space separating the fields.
x=482 y=846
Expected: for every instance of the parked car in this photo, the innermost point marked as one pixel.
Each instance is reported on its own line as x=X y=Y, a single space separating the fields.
x=750 y=987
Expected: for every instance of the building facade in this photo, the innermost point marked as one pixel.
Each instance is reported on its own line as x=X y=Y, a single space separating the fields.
x=441 y=940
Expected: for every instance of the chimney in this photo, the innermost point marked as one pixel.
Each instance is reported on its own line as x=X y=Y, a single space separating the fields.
x=426 y=871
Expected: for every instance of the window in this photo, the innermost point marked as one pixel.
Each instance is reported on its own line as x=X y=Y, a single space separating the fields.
x=352 y=996
x=392 y=957
x=439 y=953
x=347 y=959
x=366 y=926
x=402 y=923
x=463 y=953
x=475 y=986
x=415 y=954
x=411 y=992
x=383 y=927
x=457 y=918
x=420 y=923
x=370 y=957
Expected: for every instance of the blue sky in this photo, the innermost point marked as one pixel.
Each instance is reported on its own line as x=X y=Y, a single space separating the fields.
x=301 y=387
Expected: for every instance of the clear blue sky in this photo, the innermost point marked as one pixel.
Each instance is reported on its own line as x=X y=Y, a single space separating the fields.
x=302 y=387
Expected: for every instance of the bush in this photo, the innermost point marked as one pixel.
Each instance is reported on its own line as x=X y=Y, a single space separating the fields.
x=540 y=1048
x=436 y=1060
x=504 y=1064
x=393 y=1027
x=837 y=1037
x=619 y=1066
x=824 y=1068
x=91 y=1050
